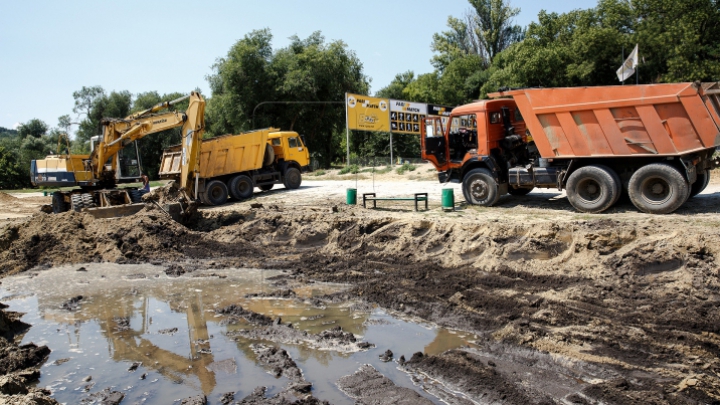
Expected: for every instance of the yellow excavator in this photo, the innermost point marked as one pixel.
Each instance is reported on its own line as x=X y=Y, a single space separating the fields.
x=114 y=159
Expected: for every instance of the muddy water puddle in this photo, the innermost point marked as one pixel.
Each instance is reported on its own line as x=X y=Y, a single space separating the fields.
x=158 y=339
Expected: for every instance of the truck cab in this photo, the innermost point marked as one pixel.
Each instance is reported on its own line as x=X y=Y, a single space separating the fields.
x=289 y=147
x=487 y=129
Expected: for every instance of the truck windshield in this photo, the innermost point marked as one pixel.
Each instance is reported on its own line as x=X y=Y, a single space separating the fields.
x=467 y=122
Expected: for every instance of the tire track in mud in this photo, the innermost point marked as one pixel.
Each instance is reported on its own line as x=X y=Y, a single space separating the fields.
x=638 y=298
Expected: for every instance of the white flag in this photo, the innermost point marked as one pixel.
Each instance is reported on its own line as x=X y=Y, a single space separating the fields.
x=628 y=68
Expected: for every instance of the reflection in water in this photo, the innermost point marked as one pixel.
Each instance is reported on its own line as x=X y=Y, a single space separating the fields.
x=133 y=316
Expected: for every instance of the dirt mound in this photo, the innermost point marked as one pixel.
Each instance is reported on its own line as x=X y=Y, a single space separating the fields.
x=5 y=197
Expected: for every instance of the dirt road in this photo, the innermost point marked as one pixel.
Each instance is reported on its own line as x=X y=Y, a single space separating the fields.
x=627 y=304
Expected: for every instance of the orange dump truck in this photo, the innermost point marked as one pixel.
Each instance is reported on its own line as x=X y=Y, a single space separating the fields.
x=654 y=142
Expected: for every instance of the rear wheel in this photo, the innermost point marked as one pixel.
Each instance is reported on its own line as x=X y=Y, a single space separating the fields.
x=241 y=187
x=702 y=181
x=593 y=188
x=293 y=178
x=519 y=191
x=480 y=188
x=58 y=203
x=88 y=200
x=216 y=192
x=266 y=187
x=658 y=188
x=76 y=202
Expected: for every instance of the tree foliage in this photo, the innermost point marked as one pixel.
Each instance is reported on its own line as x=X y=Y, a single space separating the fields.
x=11 y=172
x=34 y=128
x=95 y=104
x=308 y=70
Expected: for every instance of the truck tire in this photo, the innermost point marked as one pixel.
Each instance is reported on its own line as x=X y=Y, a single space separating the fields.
x=216 y=192
x=88 y=200
x=520 y=191
x=266 y=187
x=58 y=203
x=269 y=157
x=480 y=188
x=593 y=188
x=241 y=187
x=76 y=202
x=292 y=178
x=658 y=188
x=702 y=181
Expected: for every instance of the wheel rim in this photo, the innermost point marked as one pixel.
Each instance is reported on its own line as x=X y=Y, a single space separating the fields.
x=589 y=190
x=216 y=192
x=656 y=190
x=243 y=187
x=479 y=190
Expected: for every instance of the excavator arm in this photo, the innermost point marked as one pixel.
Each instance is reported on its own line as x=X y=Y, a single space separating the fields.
x=119 y=133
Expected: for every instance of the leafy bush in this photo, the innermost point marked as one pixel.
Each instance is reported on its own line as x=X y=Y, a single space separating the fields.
x=406 y=167
x=319 y=173
x=354 y=169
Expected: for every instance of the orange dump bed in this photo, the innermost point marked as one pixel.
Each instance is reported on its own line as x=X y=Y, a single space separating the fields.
x=652 y=120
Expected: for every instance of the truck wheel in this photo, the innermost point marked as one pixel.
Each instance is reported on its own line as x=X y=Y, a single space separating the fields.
x=241 y=187
x=521 y=191
x=76 y=202
x=593 y=189
x=658 y=188
x=216 y=192
x=266 y=187
x=480 y=188
x=293 y=178
x=702 y=181
x=88 y=201
x=58 y=203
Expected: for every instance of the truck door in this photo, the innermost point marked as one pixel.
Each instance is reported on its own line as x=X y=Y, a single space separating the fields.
x=434 y=142
x=296 y=150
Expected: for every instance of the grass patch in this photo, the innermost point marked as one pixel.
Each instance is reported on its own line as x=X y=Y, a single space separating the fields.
x=352 y=169
x=319 y=173
x=406 y=167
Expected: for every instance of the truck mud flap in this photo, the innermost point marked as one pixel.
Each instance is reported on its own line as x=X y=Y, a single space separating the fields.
x=115 y=211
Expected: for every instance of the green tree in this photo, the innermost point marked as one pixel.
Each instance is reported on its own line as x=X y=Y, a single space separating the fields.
x=307 y=70
x=493 y=26
x=11 y=173
x=96 y=105
x=35 y=128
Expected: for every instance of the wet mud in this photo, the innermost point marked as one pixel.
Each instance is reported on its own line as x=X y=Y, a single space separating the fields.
x=636 y=302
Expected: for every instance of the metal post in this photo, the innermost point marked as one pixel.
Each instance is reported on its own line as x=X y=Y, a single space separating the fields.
x=347 y=131
x=392 y=162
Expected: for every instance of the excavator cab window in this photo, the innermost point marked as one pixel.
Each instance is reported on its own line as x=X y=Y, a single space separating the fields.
x=128 y=164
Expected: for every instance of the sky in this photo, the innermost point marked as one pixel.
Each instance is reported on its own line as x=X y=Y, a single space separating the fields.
x=49 y=48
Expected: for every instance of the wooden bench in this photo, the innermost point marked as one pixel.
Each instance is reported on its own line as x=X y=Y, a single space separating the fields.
x=417 y=198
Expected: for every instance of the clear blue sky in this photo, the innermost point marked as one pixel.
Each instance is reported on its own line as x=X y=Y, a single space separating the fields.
x=49 y=48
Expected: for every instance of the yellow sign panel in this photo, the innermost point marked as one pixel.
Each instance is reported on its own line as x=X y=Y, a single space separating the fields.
x=368 y=113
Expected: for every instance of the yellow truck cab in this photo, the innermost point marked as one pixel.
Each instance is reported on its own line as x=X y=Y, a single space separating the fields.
x=288 y=146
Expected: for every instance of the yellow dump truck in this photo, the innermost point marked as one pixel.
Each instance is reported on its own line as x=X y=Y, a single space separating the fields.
x=233 y=165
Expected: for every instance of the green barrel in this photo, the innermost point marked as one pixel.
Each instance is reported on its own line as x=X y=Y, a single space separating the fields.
x=351 y=196
x=448 y=199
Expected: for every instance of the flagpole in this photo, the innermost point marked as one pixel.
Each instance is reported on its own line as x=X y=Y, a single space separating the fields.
x=623 y=65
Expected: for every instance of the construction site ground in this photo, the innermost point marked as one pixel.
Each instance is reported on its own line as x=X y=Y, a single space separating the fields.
x=612 y=308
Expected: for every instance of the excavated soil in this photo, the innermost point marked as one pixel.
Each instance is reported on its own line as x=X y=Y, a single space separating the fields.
x=630 y=301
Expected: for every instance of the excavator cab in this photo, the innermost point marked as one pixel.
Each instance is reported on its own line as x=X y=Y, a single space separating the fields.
x=128 y=167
